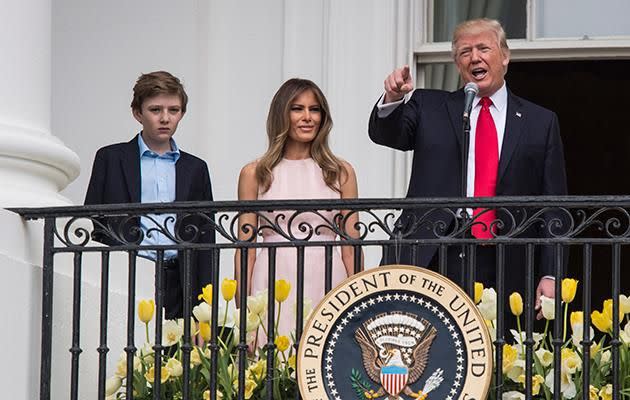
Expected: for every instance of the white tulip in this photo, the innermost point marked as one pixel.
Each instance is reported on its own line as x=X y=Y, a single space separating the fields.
x=112 y=385
x=172 y=332
x=606 y=356
x=203 y=312
x=624 y=334
x=488 y=304
x=174 y=367
x=624 y=304
x=513 y=395
x=548 y=307
x=258 y=304
x=567 y=386
x=578 y=334
x=545 y=357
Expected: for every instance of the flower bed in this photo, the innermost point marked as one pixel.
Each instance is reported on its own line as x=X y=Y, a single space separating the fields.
x=284 y=384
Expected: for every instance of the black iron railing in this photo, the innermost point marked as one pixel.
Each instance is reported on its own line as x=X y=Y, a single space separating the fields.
x=555 y=225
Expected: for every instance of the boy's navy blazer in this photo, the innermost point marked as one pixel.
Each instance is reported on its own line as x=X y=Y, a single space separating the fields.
x=116 y=180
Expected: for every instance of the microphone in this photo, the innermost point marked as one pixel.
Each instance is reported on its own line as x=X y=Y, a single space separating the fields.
x=470 y=91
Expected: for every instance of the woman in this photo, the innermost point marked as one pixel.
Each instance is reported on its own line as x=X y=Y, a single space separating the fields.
x=298 y=164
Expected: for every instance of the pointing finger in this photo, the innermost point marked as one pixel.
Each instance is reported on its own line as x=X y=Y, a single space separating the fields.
x=405 y=72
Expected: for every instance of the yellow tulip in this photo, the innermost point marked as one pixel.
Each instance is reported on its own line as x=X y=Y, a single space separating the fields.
x=478 y=292
x=204 y=331
x=282 y=343
x=577 y=317
x=516 y=304
x=206 y=395
x=601 y=321
x=282 y=290
x=164 y=374
x=592 y=393
x=258 y=370
x=228 y=289
x=569 y=287
x=146 y=308
x=595 y=348
x=292 y=361
x=206 y=294
x=196 y=355
x=250 y=386
x=605 y=393
x=608 y=309
x=195 y=358
x=571 y=361
x=509 y=357
x=537 y=380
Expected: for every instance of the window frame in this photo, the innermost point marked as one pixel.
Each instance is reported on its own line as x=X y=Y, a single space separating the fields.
x=530 y=49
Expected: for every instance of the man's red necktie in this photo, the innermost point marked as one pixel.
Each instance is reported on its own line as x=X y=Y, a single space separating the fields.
x=486 y=167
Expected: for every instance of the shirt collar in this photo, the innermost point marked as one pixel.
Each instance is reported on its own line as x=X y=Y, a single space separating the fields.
x=499 y=98
x=145 y=150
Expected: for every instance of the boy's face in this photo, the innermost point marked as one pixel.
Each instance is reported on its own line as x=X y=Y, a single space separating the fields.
x=159 y=117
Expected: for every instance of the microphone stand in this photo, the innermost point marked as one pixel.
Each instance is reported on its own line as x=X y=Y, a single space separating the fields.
x=465 y=254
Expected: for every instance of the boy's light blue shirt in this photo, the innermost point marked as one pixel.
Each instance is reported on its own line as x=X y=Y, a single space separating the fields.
x=158 y=178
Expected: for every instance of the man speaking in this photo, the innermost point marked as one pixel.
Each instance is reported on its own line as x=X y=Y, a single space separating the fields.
x=514 y=149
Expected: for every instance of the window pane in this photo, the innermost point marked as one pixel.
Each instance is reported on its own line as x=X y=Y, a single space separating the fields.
x=448 y=13
x=586 y=18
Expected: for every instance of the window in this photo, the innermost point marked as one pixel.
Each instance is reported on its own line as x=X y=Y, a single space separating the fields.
x=537 y=30
x=582 y=19
x=448 y=13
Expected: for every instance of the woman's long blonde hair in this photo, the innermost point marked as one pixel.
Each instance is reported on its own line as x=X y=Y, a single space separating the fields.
x=278 y=126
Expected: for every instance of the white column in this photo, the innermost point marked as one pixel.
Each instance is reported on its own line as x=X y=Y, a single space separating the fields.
x=34 y=165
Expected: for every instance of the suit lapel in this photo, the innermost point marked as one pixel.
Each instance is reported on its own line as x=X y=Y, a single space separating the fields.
x=514 y=123
x=131 y=169
x=182 y=179
x=455 y=108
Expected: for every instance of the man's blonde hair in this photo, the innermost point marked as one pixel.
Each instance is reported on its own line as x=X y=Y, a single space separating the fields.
x=476 y=26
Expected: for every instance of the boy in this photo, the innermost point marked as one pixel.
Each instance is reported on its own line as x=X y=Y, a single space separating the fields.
x=152 y=169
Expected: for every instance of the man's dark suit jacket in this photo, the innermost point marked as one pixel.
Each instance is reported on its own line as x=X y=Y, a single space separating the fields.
x=116 y=179
x=430 y=123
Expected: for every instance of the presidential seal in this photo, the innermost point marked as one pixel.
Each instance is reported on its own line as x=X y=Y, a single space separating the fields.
x=395 y=332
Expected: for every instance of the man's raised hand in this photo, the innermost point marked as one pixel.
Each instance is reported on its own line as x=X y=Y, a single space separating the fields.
x=397 y=84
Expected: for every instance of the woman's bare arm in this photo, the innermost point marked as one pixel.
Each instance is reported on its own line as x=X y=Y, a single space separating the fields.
x=349 y=190
x=247 y=190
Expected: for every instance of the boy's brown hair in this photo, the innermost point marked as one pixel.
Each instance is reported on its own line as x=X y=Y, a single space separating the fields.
x=154 y=84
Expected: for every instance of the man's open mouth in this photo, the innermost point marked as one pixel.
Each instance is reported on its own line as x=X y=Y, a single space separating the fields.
x=479 y=73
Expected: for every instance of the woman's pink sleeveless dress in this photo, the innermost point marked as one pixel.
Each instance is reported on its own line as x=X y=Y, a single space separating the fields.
x=298 y=179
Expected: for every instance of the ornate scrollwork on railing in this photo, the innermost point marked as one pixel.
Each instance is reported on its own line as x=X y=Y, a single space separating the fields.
x=81 y=233
x=323 y=223
x=611 y=226
x=291 y=225
x=126 y=229
x=247 y=232
x=119 y=229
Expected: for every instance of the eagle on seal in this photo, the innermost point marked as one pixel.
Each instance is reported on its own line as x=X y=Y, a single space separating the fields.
x=395 y=348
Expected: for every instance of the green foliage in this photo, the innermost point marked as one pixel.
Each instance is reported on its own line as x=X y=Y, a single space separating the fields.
x=359 y=384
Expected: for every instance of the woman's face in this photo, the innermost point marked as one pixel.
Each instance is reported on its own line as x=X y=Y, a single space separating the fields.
x=305 y=114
